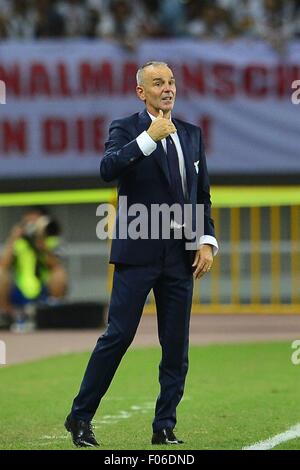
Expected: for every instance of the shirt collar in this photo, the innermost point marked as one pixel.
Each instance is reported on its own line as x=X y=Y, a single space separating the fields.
x=154 y=117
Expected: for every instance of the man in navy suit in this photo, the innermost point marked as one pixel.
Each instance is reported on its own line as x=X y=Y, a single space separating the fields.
x=156 y=160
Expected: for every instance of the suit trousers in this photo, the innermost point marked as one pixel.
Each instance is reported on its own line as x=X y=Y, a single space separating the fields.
x=172 y=283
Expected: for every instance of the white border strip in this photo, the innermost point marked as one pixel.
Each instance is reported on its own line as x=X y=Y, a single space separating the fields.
x=274 y=441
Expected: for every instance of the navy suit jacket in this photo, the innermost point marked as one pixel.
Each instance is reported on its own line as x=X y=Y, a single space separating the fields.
x=145 y=179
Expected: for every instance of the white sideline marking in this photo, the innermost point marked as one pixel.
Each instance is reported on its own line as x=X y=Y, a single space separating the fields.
x=113 y=419
x=108 y=419
x=274 y=441
x=54 y=437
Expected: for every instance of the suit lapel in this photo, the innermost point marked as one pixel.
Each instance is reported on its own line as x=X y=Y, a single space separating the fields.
x=159 y=153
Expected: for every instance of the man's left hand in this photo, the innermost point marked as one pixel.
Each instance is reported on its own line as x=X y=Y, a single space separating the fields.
x=203 y=261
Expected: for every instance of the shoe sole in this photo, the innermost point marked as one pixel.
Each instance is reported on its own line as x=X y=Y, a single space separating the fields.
x=166 y=443
x=84 y=444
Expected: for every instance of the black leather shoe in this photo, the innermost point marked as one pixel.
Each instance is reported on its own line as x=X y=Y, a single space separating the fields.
x=81 y=431
x=165 y=436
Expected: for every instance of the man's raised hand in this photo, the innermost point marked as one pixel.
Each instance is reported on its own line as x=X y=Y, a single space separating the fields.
x=161 y=127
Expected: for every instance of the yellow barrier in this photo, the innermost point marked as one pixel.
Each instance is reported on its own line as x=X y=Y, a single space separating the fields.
x=271 y=278
x=263 y=291
x=222 y=196
x=269 y=282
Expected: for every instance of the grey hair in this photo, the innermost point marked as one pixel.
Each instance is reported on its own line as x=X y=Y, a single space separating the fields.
x=140 y=72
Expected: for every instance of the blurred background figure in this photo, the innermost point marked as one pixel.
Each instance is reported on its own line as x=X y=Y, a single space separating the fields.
x=93 y=18
x=4 y=18
x=296 y=12
x=2 y=27
x=151 y=21
x=74 y=16
x=277 y=23
x=48 y=21
x=209 y=20
x=172 y=16
x=20 y=20
x=245 y=15
x=122 y=23
x=126 y=22
x=31 y=269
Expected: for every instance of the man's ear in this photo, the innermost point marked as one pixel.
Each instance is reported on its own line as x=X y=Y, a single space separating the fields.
x=140 y=92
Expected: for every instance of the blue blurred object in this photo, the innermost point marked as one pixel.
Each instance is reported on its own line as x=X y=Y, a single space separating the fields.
x=172 y=17
x=19 y=300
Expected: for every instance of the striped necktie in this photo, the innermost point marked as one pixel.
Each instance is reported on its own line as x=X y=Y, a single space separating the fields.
x=175 y=177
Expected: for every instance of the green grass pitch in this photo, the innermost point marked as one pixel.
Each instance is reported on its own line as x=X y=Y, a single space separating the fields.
x=235 y=396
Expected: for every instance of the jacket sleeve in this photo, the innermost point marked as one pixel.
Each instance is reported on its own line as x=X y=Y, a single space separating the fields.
x=203 y=190
x=121 y=152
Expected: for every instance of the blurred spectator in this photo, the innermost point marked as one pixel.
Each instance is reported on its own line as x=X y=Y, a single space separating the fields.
x=172 y=15
x=96 y=10
x=48 y=21
x=31 y=269
x=211 y=22
x=277 y=23
x=5 y=15
x=120 y=23
x=20 y=21
x=245 y=15
x=296 y=12
x=126 y=21
x=75 y=16
x=151 y=21
x=3 y=31
x=93 y=21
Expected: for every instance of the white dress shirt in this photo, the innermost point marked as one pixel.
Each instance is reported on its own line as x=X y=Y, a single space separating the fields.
x=148 y=145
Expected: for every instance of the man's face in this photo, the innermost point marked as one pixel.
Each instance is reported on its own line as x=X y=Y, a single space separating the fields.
x=30 y=218
x=158 y=90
